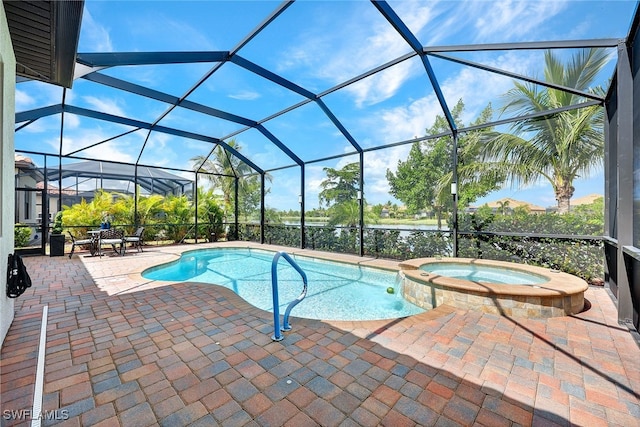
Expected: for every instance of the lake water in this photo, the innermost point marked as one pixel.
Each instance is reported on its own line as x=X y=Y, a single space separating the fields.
x=408 y=227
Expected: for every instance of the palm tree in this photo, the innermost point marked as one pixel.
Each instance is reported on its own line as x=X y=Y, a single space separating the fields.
x=569 y=146
x=503 y=205
x=347 y=213
x=221 y=169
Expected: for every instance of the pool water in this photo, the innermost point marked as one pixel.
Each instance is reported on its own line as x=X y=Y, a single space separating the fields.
x=483 y=273
x=336 y=291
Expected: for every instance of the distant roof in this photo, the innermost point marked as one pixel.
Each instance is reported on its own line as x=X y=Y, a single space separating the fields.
x=155 y=181
x=513 y=203
x=23 y=162
x=586 y=200
x=52 y=190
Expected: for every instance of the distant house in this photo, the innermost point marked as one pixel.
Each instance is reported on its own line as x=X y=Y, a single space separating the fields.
x=422 y=214
x=26 y=176
x=28 y=200
x=507 y=205
x=80 y=181
x=53 y=195
x=584 y=200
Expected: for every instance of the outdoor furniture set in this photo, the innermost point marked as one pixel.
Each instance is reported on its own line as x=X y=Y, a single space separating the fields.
x=113 y=237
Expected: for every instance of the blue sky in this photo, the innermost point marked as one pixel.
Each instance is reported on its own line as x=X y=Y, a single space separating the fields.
x=316 y=45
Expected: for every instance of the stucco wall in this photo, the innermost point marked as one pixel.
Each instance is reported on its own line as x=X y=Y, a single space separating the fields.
x=7 y=124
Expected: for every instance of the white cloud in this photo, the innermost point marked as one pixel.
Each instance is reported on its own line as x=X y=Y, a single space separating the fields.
x=264 y=154
x=71 y=142
x=165 y=150
x=105 y=105
x=497 y=19
x=44 y=124
x=382 y=85
x=314 y=175
x=338 y=56
x=417 y=14
x=148 y=75
x=35 y=94
x=407 y=121
x=361 y=43
x=285 y=190
x=94 y=35
x=158 y=141
x=71 y=121
x=245 y=95
x=376 y=164
x=476 y=88
x=23 y=100
x=174 y=34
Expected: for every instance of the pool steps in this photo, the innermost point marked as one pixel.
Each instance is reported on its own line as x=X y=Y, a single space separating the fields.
x=277 y=335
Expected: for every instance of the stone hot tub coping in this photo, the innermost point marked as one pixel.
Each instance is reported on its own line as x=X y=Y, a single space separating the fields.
x=562 y=293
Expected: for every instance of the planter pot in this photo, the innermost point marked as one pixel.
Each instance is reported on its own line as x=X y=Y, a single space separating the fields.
x=56 y=245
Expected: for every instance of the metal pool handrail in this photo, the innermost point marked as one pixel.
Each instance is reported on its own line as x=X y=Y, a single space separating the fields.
x=277 y=336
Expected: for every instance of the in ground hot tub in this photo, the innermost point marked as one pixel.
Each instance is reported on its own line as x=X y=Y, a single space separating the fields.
x=498 y=287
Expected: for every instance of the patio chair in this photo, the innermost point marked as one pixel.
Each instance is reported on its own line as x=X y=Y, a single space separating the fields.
x=111 y=237
x=136 y=239
x=90 y=242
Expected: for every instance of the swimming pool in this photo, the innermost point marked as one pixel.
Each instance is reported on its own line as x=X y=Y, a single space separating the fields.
x=337 y=291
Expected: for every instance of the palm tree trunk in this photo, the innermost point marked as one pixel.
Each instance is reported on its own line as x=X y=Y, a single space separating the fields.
x=564 y=192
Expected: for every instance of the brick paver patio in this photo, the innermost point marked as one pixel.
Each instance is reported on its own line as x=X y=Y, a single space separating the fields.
x=123 y=351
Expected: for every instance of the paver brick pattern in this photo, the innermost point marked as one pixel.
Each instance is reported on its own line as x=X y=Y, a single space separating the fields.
x=123 y=351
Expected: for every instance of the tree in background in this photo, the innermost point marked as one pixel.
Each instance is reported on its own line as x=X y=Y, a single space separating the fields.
x=210 y=215
x=348 y=214
x=89 y=215
x=221 y=171
x=179 y=216
x=341 y=185
x=124 y=209
x=340 y=195
x=560 y=149
x=424 y=179
x=503 y=205
x=249 y=195
x=173 y=216
x=272 y=216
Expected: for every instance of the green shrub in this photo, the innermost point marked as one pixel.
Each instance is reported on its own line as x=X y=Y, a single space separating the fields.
x=21 y=235
x=210 y=216
x=280 y=234
x=581 y=257
x=57 y=224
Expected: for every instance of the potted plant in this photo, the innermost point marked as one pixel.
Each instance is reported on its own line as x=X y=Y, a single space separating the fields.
x=106 y=221
x=56 y=241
